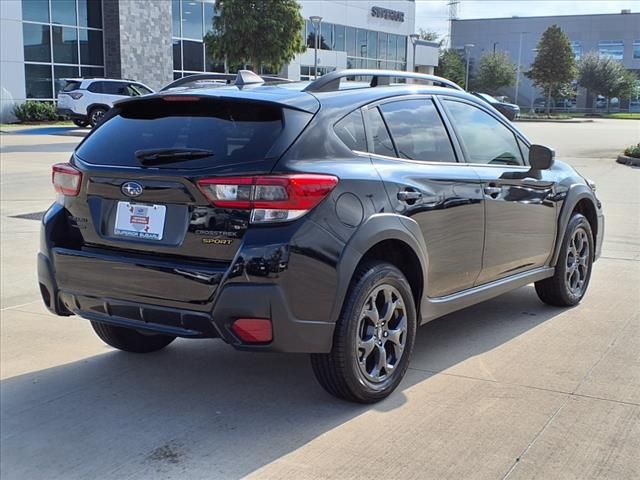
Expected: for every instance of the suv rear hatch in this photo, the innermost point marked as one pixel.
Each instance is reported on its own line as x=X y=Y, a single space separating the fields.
x=148 y=179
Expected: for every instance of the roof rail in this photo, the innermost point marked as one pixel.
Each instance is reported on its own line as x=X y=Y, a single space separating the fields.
x=331 y=81
x=243 y=77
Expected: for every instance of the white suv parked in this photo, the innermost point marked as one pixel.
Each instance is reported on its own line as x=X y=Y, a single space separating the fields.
x=86 y=100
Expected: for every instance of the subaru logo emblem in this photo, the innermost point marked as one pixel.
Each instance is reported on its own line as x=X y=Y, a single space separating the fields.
x=131 y=189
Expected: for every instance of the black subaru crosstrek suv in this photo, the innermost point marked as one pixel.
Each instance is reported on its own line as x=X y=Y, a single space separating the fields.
x=332 y=217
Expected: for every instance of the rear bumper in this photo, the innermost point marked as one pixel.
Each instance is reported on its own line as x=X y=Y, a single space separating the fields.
x=172 y=298
x=67 y=112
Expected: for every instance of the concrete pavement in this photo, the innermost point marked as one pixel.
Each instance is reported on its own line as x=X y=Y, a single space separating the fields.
x=507 y=389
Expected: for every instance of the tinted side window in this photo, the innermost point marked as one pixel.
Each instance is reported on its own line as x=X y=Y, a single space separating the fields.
x=96 y=87
x=114 y=88
x=351 y=131
x=417 y=131
x=484 y=138
x=382 y=144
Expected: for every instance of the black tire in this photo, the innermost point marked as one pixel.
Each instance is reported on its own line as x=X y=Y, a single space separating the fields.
x=80 y=122
x=344 y=371
x=95 y=115
x=130 y=340
x=573 y=270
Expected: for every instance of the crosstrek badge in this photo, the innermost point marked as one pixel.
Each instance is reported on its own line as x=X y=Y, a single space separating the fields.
x=140 y=221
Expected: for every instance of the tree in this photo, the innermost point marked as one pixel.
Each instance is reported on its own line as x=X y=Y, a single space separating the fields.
x=494 y=72
x=430 y=36
x=555 y=63
x=451 y=66
x=606 y=76
x=262 y=33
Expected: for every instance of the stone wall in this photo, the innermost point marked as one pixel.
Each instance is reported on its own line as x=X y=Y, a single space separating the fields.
x=138 y=40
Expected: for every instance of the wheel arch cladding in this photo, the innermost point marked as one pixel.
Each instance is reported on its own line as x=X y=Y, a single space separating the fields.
x=579 y=199
x=384 y=237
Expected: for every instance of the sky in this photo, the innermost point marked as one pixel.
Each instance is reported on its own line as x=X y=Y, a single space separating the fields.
x=432 y=15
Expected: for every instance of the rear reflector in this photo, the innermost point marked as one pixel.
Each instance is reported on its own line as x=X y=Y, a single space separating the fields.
x=180 y=98
x=253 y=330
x=271 y=198
x=66 y=179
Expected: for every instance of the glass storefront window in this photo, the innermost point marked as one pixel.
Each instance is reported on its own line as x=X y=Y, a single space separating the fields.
x=59 y=74
x=192 y=56
x=65 y=44
x=175 y=17
x=391 y=48
x=37 y=42
x=38 y=81
x=63 y=12
x=97 y=72
x=338 y=38
x=372 y=44
x=577 y=50
x=636 y=49
x=91 y=47
x=382 y=45
x=90 y=13
x=35 y=10
x=351 y=41
x=209 y=13
x=177 y=54
x=192 y=19
x=401 y=48
x=326 y=36
x=361 y=46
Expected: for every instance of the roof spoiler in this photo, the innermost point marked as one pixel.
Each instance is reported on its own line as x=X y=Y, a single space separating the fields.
x=243 y=77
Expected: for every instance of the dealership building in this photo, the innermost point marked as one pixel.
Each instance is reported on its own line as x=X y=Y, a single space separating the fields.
x=156 y=41
x=612 y=35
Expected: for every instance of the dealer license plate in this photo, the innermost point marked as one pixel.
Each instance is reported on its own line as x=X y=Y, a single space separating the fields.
x=140 y=221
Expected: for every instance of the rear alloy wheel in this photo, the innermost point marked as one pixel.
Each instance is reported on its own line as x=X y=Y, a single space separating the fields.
x=130 y=340
x=573 y=270
x=374 y=337
x=96 y=114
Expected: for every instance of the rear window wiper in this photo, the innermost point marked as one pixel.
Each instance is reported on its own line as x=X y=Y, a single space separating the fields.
x=158 y=156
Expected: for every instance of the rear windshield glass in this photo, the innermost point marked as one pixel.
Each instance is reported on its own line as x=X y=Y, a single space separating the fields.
x=71 y=86
x=236 y=132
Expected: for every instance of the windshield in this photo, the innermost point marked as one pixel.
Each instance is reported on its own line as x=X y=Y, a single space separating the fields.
x=488 y=98
x=233 y=132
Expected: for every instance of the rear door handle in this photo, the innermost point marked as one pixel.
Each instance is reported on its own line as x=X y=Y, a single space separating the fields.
x=409 y=195
x=492 y=191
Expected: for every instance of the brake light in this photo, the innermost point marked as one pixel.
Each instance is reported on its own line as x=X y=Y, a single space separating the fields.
x=270 y=198
x=75 y=95
x=66 y=179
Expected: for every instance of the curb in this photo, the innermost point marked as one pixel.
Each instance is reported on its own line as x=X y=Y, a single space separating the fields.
x=631 y=161
x=550 y=120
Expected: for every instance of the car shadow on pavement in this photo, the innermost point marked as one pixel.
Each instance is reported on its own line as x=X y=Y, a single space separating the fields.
x=201 y=406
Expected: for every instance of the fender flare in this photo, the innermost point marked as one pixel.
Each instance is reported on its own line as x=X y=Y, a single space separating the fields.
x=377 y=228
x=574 y=195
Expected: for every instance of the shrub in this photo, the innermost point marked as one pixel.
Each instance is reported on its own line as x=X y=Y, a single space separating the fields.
x=32 y=111
x=633 y=151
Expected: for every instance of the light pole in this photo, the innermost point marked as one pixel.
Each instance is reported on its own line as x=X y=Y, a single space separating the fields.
x=518 y=68
x=316 y=20
x=414 y=39
x=467 y=49
x=533 y=92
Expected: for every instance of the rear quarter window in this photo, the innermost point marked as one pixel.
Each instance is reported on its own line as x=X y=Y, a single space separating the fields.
x=351 y=131
x=70 y=86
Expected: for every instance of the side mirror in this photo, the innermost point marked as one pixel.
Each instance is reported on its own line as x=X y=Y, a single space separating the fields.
x=541 y=157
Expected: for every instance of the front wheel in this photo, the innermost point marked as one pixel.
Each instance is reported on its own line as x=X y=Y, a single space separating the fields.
x=374 y=337
x=130 y=340
x=573 y=270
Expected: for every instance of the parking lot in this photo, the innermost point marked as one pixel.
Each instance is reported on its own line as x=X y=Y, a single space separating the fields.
x=511 y=388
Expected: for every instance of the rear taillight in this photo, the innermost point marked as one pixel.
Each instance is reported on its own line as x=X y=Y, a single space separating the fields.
x=66 y=179
x=75 y=95
x=270 y=198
